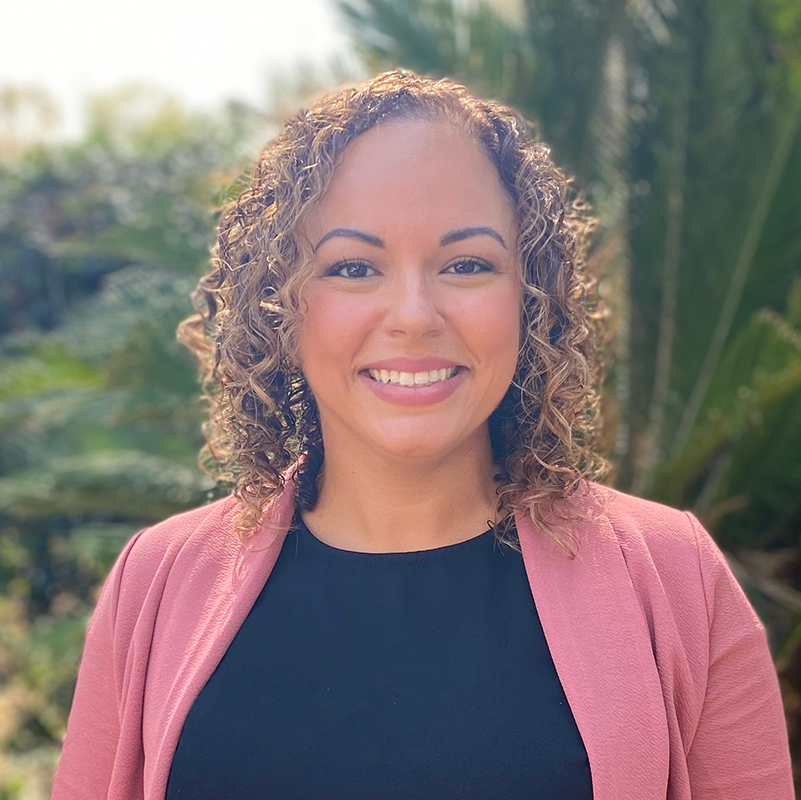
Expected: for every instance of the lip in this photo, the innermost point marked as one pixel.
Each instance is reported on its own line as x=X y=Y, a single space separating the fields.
x=418 y=395
x=412 y=364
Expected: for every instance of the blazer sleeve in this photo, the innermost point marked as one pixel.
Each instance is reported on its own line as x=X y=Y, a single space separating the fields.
x=92 y=739
x=740 y=750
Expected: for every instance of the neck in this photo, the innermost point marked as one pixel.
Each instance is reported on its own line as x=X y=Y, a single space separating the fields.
x=370 y=502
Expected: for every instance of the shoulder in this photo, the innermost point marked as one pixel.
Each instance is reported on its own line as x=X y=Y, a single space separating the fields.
x=175 y=544
x=133 y=588
x=649 y=529
x=166 y=538
x=200 y=542
x=671 y=559
x=670 y=555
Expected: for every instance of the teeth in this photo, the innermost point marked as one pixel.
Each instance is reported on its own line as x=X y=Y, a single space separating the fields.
x=412 y=378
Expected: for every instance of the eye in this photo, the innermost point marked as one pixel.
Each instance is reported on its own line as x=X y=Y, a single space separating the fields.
x=349 y=269
x=469 y=266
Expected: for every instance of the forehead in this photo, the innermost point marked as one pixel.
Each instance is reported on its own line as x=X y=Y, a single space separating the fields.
x=413 y=175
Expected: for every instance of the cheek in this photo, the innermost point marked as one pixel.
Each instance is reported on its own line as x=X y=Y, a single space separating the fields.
x=491 y=324
x=335 y=324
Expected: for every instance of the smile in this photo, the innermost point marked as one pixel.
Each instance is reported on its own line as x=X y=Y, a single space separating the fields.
x=412 y=379
x=414 y=388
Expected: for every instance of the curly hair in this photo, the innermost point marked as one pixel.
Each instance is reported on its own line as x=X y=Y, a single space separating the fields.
x=263 y=418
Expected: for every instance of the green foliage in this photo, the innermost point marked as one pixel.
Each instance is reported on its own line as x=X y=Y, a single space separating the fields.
x=101 y=244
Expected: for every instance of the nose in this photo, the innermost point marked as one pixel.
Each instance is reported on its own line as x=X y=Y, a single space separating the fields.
x=412 y=307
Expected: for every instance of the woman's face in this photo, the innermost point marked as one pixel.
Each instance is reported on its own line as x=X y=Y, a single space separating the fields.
x=411 y=335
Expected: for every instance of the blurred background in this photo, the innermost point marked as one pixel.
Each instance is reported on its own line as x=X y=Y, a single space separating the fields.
x=124 y=126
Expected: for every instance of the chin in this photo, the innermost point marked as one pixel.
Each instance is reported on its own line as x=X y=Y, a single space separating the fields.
x=424 y=442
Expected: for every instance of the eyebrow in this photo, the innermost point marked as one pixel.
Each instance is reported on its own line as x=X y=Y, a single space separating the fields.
x=466 y=233
x=351 y=233
x=449 y=238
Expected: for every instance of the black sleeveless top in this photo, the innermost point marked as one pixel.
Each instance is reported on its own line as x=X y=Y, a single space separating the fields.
x=391 y=676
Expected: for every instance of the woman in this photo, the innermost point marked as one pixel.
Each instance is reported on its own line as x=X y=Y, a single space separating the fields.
x=398 y=344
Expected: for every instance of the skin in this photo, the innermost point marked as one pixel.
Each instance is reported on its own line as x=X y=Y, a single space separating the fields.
x=400 y=478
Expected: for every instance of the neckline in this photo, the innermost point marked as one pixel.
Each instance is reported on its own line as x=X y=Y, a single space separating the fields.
x=300 y=528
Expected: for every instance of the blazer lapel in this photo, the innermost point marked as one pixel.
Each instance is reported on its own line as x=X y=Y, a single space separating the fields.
x=600 y=645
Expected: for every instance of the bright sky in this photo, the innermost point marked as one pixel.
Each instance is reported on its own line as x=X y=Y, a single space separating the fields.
x=202 y=51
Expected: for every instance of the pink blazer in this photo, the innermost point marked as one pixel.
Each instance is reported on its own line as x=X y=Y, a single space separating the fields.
x=663 y=661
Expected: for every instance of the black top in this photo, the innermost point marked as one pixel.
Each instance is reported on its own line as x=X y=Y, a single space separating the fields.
x=399 y=676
